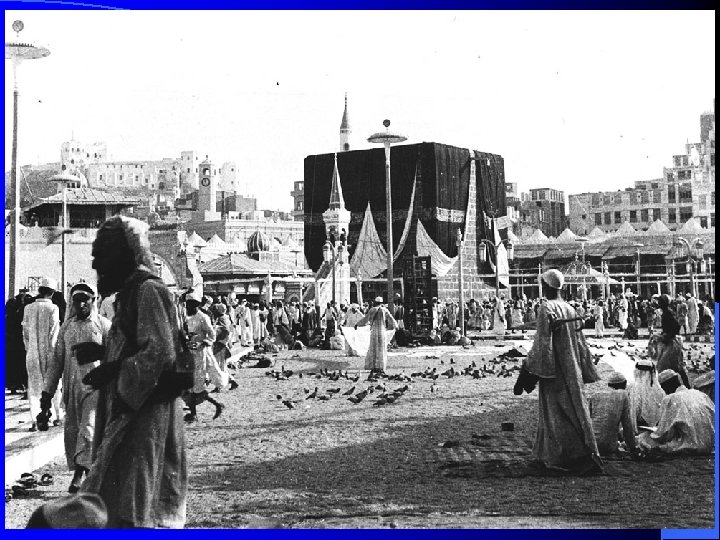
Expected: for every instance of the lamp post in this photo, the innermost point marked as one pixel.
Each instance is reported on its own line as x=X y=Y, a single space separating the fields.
x=637 y=266
x=387 y=138
x=483 y=257
x=17 y=52
x=65 y=178
x=582 y=241
x=461 y=302
x=699 y=247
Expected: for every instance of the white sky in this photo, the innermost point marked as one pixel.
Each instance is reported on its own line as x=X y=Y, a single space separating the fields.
x=577 y=101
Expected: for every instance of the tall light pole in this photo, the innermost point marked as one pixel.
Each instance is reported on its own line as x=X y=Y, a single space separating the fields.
x=17 y=52
x=387 y=138
x=582 y=241
x=65 y=178
x=329 y=257
x=637 y=266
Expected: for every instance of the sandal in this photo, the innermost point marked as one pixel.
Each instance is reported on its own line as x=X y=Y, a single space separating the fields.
x=28 y=480
x=20 y=491
x=46 y=479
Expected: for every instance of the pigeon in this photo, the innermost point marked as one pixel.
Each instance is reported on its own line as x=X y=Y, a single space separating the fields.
x=278 y=397
x=324 y=397
x=380 y=402
x=349 y=392
x=333 y=390
x=289 y=403
x=313 y=395
x=452 y=361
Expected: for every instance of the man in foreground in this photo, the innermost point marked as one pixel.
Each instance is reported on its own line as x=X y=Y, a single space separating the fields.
x=139 y=467
x=610 y=410
x=686 y=424
x=82 y=325
x=560 y=359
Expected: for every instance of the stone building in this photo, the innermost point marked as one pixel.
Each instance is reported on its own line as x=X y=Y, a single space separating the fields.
x=541 y=208
x=686 y=190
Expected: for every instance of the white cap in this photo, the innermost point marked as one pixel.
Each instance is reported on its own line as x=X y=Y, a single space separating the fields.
x=49 y=283
x=553 y=278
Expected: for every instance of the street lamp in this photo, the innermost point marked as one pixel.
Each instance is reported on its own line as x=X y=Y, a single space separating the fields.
x=637 y=266
x=483 y=257
x=17 y=52
x=65 y=178
x=582 y=241
x=387 y=138
x=699 y=247
x=329 y=257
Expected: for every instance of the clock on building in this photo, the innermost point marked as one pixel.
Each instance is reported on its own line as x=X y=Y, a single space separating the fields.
x=205 y=182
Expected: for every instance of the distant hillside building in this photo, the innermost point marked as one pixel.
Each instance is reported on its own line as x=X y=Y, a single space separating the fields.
x=541 y=208
x=686 y=190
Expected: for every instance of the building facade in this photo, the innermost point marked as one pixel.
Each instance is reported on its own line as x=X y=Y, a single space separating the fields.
x=686 y=190
x=541 y=208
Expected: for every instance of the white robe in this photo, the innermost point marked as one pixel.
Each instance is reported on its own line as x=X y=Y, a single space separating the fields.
x=693 y=315
x=41 y=324
x=380 y=320
x=79 y=399
x=686 y=425
x=623 y=314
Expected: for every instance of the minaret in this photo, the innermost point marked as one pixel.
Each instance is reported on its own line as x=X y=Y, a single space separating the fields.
x=345 y=129
x=336 y=218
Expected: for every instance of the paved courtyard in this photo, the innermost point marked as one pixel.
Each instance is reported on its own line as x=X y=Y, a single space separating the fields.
x=437 y=457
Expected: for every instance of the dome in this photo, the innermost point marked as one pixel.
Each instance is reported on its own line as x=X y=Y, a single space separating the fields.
x=258 y=241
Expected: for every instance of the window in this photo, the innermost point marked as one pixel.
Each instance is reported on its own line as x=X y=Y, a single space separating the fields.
x=541 y=195
x=703 y=222
x=685 y=213
x=633 y=216
x=100 y=177
x=607 y=218
x=598 y=219
x=712 y=219
x=672 y=215
x=121 y=178
x=684 y=175
x=607 y=200
x=595 y=199
x=685 y=193
x=654 y=185
x=702 y=202
x=188 y=170
x=669 y=176
x=584 y=216
x=645 y=196
x=618 y=217
x=644 y=215
x=656 y=214
x=671 y=194
x=137 y=177
x=657 y=196
x=618 y=198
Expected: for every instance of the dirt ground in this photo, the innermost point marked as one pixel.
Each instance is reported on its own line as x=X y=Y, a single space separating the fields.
x=437 y=458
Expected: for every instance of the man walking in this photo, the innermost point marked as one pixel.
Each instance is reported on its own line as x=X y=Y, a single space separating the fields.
x=41 y=324
x=82 y=325
x=139 y=466
x=561 y=361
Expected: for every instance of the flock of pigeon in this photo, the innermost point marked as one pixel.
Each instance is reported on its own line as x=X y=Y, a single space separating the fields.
x=378 y=384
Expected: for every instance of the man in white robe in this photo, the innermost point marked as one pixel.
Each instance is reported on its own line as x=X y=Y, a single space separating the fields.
x=82 y=325
x=693 y=314
x=687 y=420
x=41 y=324
x=380 y=320
x=561 y=362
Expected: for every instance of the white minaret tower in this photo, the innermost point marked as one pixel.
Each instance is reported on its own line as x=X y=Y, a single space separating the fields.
x=345 y=130
x=337 y=219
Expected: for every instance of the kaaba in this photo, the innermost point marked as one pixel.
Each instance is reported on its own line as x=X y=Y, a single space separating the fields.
x=442 y=173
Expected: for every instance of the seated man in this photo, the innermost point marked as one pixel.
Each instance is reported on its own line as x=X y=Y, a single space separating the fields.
x=706 y=323
x=646 y=394
x=686 y=423
x=609 y=411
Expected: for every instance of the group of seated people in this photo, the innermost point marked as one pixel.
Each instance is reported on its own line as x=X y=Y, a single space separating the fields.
x=657 y=414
